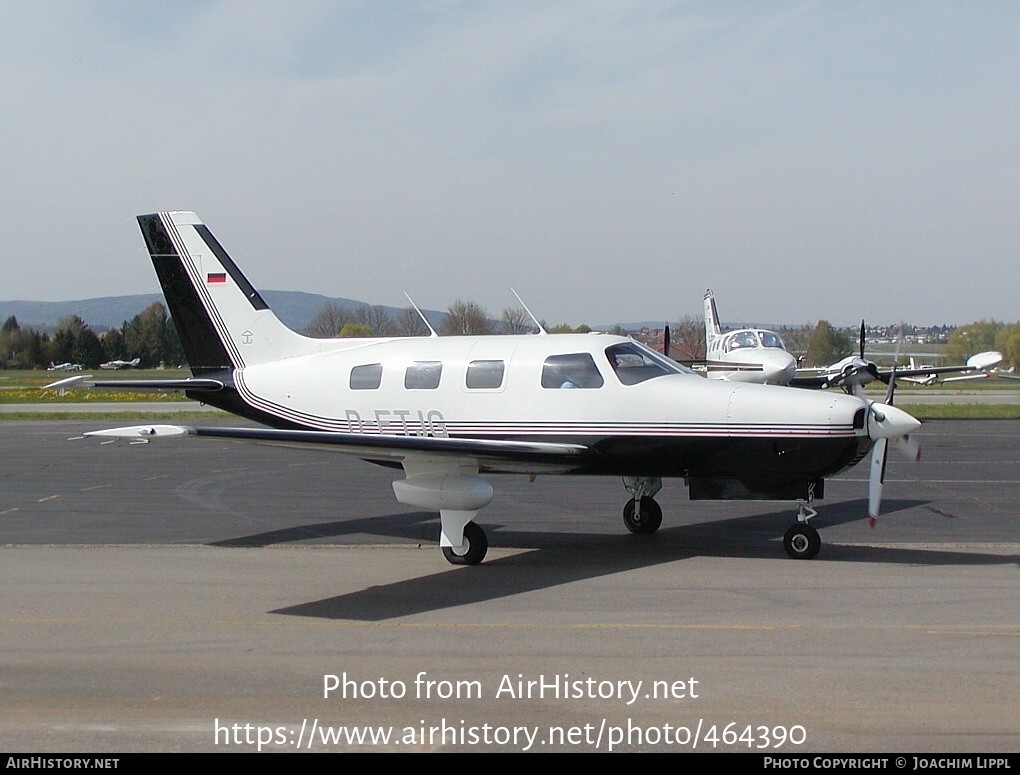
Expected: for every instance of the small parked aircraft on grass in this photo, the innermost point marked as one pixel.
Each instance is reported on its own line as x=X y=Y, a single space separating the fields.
x=63 y=366
x=115 y=365
x=451 y=410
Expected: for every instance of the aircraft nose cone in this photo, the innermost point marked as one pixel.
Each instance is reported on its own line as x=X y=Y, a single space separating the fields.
x=779 y=370
x=888 y=422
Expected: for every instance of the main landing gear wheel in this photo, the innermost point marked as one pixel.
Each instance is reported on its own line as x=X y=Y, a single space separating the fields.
x=645 y=518
x=477 y=546
x=802 y=542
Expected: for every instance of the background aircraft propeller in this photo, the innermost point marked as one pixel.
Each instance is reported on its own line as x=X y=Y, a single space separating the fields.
x=906 y=446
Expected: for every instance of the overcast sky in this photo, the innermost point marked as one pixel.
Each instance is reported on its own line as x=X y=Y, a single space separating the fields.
x=609 y=160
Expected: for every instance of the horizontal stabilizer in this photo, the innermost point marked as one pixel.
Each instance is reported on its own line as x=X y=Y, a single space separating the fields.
x=137 y=385
x=160 y=384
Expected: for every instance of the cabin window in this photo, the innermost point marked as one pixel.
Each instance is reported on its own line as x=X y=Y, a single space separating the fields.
x=485 y=375
x=423 y=375
x=576 y=370
x=367 y=377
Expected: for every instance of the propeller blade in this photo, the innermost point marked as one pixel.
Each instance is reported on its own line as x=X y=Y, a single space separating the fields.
x=665 y=340
x=876 y=480
x=862 y=338
x=902 y=442
x=908 y=447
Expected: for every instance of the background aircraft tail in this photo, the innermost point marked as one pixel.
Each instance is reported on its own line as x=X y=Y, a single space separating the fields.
x=222 y=320
x=712 y=328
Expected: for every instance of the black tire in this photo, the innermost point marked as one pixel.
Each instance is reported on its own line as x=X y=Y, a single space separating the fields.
x=646 y=519
x=478 y=545
x=802 y=542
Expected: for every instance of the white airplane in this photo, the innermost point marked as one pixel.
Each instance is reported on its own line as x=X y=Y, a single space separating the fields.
x=758 y=355
x=452 y=410
x=747 y=355
x=114 y=365
x=854 y=371
x=63 y=366
x=979 y=366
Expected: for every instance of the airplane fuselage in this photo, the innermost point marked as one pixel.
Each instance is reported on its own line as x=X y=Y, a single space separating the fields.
x=645 y=418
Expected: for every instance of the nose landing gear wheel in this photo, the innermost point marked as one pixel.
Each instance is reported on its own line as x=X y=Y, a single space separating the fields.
x=643 y=518
x=477 y=546
x=802 y=542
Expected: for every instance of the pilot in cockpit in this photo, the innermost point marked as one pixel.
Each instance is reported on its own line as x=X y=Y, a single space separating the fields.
x=741 y=340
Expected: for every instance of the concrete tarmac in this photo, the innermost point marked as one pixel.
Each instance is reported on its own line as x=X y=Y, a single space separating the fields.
x=197 y=595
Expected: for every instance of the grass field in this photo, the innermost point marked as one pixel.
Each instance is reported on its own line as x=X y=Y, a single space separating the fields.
x=26 y=387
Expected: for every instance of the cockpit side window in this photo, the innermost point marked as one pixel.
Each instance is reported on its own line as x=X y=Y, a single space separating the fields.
x=576 y=370
x=741 y=340
x=770 y=339
x=634 y=364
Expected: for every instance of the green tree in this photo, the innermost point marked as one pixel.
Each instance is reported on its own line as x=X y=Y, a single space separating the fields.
x=1007 y=342
x=827 y=345
x=355 y=330
x=970 y=339
x=150 y=336
x=73 y=341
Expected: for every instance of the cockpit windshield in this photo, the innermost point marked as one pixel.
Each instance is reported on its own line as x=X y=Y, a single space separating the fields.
x=770 y=339
x=633 y=362
x=741 y=340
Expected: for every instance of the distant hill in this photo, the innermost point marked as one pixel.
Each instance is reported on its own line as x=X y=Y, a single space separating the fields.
x=294 y=308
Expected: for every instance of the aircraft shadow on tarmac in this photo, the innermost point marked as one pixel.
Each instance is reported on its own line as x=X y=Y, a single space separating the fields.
x=551 y=559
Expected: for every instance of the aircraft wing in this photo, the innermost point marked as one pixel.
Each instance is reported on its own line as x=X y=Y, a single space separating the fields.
x=977 y=367
x=528 y=457
x=1008 y=374
x=811 y=380
x=700 y=365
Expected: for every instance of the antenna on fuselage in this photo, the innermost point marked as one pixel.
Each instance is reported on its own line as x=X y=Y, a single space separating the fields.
x=425 y=320
x=534 y=320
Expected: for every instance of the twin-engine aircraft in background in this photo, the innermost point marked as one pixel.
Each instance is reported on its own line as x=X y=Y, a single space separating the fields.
x=746 y=355
x=758 y=355
x=451 y=410
x=855 y=371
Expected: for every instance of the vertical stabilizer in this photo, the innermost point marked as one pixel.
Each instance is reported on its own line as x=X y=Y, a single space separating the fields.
x=712 y=328
x=222 y=320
